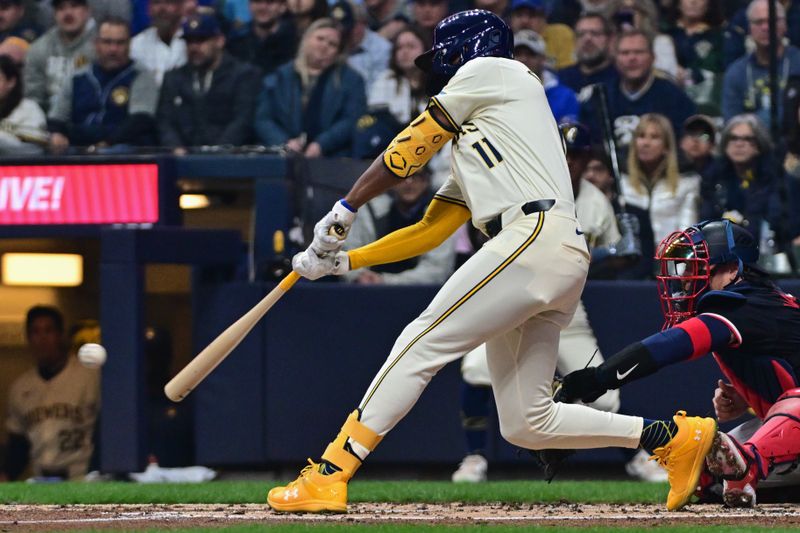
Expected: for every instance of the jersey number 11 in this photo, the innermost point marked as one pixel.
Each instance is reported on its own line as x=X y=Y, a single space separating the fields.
x=486 y=159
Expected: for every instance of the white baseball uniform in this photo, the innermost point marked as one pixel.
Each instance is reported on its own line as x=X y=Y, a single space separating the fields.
x=522 y=287
x=57 y=416
x=577 y=342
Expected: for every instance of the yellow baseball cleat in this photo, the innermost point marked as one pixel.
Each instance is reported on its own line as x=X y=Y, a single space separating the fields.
x=683 y=457
x=311 y=492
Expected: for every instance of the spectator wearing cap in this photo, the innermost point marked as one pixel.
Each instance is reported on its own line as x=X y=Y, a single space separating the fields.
x=387 y=17
x=529 y=48
x=367 y=52
x=53 y=57
x=594 y=36
x=211 y=99
x=160 y=48
x=746 y=87
x=426 y=15
x=697 y=143
x=311 y=104
x=16 y=48
x=109 y=105
x=638 y=91
x=268 y=40
x=559 y=38
x=12 y=22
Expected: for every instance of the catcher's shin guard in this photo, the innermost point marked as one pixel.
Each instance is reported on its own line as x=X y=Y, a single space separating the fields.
x=314 y=490
x=777 y=442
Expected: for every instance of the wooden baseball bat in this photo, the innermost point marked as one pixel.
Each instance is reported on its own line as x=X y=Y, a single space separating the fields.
x=212 y=355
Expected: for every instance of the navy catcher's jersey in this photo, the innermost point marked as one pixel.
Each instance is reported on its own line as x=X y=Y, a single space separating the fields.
x=764 y=358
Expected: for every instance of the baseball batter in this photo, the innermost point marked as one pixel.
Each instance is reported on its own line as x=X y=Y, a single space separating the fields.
x=509 y=175
x=53 y=407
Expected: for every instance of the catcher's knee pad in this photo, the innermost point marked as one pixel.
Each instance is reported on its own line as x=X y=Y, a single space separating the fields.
x=777 y=441
x=336 y=452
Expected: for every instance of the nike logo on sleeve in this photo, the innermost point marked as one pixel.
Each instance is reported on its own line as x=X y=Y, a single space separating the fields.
x=624 y=375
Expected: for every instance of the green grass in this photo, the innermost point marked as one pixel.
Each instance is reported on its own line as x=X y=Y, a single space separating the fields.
x=359 y=491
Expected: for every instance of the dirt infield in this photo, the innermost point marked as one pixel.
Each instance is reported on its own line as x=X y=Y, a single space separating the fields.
x=132 y=517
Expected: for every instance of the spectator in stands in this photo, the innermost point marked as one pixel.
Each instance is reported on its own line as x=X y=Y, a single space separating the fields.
x=40 y=13
x=529 y=49
x=109 y=105
x=311 y=104
x=402 y=206
x=427 y=14
x=16 y=48
x=698 y=38
x=12 y=23
x=398 y=96
x=52 y=408
x=639 y=91
x=401 y=88
x=742 y=183
x=500 y=8
x=791 y=127
x=643 y=15
x=698 y=142
x=559 y=39
x=22 y=121
x=595 y=6
x=160 y=48
x=366 y=51
x=54 y=56
x=269 y=39
x=304 y=12
x=387 y=17
x=594 y=35
x=745 y=87
x=654 y=184
x=737 y=40
x=210 y=101
x=236 y=13
x=598 y=171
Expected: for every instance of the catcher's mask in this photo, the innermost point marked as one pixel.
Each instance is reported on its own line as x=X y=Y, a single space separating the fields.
x=686 y=261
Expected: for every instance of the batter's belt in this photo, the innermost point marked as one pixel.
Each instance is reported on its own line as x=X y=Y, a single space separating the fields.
x=496 y=224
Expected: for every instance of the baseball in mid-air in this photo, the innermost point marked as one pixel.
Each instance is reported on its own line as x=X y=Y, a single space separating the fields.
x=92 y=355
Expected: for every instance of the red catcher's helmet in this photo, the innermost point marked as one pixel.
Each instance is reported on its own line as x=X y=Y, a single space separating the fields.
x=686 y=259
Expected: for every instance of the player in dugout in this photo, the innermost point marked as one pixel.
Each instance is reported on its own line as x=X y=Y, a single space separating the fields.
x=716 y=299
x=509 y=175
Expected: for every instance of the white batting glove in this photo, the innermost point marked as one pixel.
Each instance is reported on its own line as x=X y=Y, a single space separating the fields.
x=311 y=266
x=341 y=263
x=326 y=241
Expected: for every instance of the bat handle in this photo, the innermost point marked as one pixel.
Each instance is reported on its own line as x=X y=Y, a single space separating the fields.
x=290 y=279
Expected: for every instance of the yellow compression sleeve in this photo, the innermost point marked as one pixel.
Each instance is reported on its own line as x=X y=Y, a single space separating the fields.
x=442 y=218
x=414 y=146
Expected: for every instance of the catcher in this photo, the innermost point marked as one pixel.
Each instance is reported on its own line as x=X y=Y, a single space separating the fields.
x=716 y=299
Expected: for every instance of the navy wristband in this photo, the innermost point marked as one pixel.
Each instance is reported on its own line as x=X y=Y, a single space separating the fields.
x=348 y=206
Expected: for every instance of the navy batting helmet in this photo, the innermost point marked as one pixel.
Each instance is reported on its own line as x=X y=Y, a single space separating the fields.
x=687 y=258
x=465 y=36
x=576 y=136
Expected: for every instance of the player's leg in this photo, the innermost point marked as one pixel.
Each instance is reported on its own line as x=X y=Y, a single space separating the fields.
x=773 y=446
x=475 y=395
x=489 y=294
x=521 y=363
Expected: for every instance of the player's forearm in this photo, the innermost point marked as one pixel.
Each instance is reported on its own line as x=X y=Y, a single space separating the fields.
x=441 y=220
x=374 y=181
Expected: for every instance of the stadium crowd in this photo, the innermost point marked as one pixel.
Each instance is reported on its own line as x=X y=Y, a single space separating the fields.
x=687 y=85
